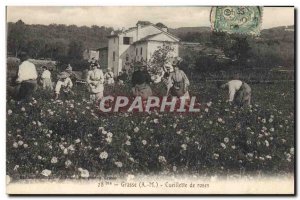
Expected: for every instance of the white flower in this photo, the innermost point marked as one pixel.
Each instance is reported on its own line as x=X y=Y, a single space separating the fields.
x=269 y=157
x=71 y=147
x=155 y=121
x=68 y=163
x=223 y=145
x=75 y=121
x=210 y=122
x=128 y=143
x=15 y=145
x=267 y=143
x=226 y=139
x=136 y=129
x=40 y=157
x=23 y=109
x=272 y=129
x=144 y=142
x=25 y=145
x=20 y=143
x=174 y=168
x=261 y=158
x=270 y=120
x=46 y=172
x=220 y=120
x=206 y=110
x=77 y=140
x=84 y=173
x=39 y=123
x=119 y=164
x=103 y=155
x=233 y=147
x=292 y=150
x=162 y=159
x=209 y=104
x=66 y=151
x=250 y=155
x=216 y=156
x=16 y=167
x=108 y=140
x=184 y=146
x=179 y=131
x=54 y=160
x=9 y=112
x=263 y=120
x=109 y=134
x=130 y=177
x=131 y=159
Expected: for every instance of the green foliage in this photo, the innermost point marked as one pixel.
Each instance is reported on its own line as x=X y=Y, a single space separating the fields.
x=160 y=58
x=221 y=139
x=53 y=41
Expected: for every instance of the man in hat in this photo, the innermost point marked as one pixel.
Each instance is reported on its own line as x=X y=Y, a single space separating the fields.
x=69 y=70
x=239 y=92
x=65 y=83
x=95 y=80
x=141 y=82
x=179 y=81
x=46 y=78
x=26 y=79
x=109 y=77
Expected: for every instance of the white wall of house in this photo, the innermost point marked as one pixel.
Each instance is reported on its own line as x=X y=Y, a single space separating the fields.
x=126 y=52
x=113 y=54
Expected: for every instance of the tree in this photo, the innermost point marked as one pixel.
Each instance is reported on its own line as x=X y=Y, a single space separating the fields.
x=75 y=50
x=35 y=47
x=16 y=40
x=160 y=58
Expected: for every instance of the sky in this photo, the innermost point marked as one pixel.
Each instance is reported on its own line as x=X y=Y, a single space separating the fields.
x=118 y=17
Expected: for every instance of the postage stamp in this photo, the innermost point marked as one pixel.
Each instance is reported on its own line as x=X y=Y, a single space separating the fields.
x=236 y=19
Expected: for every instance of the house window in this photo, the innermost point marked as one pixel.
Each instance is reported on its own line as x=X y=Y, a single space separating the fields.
x=114 y=40
x=141 y=50
x=127 y=40
x=114 y=56
x=127 y=57
x=136 y=51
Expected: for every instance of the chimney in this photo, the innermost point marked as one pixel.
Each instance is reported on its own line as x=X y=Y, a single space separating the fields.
x=138 y=26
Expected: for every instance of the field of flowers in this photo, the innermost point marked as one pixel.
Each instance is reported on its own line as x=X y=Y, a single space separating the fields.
x=69 y=138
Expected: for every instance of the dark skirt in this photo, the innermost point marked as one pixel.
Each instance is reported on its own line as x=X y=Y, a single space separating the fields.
x=178 y=89
x=143 y=90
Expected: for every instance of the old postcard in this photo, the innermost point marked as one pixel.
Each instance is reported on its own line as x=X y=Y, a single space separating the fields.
x=150 y=100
